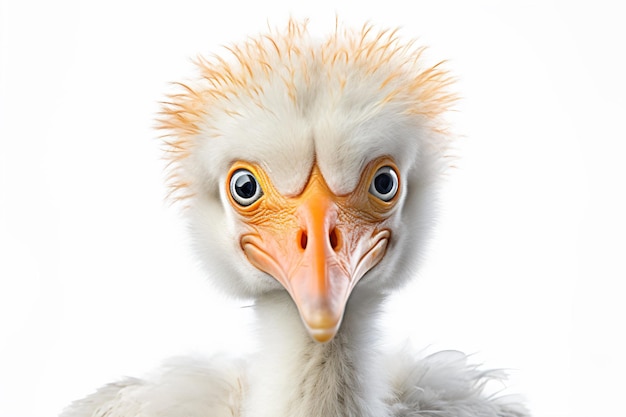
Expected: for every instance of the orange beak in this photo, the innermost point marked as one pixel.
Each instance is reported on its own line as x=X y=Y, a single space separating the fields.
x=318 y=247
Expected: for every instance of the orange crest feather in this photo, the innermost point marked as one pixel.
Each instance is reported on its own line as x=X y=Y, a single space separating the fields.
x=289 y=54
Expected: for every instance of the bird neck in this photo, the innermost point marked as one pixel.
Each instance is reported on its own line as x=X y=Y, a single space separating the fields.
x=292 y=375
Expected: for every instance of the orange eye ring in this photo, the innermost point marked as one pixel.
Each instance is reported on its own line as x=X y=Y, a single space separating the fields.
x=252 y=194
x=244 y=187
x=377 y=206
x=385 y=183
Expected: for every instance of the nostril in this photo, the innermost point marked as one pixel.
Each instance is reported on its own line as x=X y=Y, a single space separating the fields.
x=334 y=239
x=303 y=239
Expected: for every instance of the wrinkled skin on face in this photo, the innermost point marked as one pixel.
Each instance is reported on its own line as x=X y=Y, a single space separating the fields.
x=317 y=244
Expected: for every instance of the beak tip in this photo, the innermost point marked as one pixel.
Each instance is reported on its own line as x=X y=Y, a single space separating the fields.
x=322 y=335
x=322 y=327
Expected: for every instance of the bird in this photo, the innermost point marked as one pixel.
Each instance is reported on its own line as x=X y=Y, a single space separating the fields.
x=309 y=168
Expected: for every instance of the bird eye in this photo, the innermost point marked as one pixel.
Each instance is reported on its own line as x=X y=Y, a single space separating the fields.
x=384 y=184
x=244 y=187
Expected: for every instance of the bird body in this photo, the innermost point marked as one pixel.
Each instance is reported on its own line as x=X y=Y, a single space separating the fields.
x=309 y=169
x=348 y=376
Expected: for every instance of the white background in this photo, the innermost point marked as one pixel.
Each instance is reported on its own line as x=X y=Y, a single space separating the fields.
x=527 y=269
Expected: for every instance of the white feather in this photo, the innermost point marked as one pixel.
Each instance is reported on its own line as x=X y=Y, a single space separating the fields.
x=182 y=387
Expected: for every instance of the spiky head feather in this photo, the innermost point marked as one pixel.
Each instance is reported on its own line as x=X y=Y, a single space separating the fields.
x=302 y=69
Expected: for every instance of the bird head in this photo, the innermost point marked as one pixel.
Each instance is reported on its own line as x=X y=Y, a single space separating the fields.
x=310 y=165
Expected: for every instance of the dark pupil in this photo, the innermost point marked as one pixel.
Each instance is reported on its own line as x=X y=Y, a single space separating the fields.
x=383 y=183
x=245 y=186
